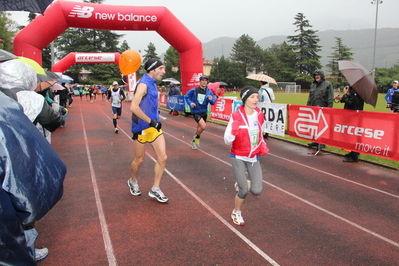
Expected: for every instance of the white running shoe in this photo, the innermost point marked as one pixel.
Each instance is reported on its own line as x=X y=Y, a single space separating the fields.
x=134 y=189
x=158 y=195
x=237 y=218
x=40 y=253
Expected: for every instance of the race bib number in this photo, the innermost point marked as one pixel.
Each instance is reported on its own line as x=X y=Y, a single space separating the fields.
x=201 y=98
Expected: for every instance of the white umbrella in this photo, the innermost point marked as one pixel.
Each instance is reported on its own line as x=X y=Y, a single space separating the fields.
x=262 y=77
x=171 y=80
x=66 y=77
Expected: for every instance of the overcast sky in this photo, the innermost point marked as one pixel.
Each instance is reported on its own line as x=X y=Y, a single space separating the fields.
x=211 y=19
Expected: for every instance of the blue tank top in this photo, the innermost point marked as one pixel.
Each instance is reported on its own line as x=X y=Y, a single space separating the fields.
x=149 y=104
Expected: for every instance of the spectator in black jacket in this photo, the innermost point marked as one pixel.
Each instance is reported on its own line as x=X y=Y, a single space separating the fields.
x=64 y=95
x=352 y=101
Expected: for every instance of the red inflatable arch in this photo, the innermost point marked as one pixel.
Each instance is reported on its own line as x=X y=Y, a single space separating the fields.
x=61 y=15
x=85 y=58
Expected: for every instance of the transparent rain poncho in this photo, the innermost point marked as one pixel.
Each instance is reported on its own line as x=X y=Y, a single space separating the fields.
x=17 y=74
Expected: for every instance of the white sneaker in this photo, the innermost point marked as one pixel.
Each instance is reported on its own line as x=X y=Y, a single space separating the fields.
x=237 y=218
x=158 y=195
x=134 y=189
x=116 y=130
x=40 y=253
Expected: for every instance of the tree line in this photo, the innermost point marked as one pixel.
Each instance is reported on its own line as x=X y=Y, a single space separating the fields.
x=294 y=60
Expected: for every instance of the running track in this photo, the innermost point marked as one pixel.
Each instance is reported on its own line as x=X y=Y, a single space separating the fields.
x=314 y=210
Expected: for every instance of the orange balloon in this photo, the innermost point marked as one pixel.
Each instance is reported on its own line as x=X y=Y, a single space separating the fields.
x=129 y=62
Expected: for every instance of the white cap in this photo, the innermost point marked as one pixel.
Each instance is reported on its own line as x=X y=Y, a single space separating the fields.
x=395 y=81
x=115 y=83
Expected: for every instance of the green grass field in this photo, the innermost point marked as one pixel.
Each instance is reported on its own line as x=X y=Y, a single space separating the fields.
x=301 y=99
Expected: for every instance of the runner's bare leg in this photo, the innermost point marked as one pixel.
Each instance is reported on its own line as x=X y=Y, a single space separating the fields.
x=160 y=150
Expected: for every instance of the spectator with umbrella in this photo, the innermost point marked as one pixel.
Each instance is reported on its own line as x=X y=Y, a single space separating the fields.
x=362 y=90
x=64 y=95
x=217 y=89
x=19 y=80
x=353 y=101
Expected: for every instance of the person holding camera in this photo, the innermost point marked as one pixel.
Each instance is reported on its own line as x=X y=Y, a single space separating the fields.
x=352 y=101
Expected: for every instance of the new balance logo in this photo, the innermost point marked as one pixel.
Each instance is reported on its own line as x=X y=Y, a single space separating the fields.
x=81 y=12
x=220 y=105
x=195 y=77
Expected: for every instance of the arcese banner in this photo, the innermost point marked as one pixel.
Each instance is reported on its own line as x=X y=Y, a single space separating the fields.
x=366 y=132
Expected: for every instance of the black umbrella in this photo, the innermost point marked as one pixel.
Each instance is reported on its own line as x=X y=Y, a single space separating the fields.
x=41 y=78
x=222 y=83
x=5 y=56
x=360 y=79
x=44 y=81
x=52 y=75
x=35 y=6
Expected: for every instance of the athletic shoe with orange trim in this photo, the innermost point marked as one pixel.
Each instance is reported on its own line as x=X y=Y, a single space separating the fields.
x=237 y=218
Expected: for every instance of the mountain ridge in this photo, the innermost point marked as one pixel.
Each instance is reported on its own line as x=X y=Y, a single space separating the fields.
x=361 y=43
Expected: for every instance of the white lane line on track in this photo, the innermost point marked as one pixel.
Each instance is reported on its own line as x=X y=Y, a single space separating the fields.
x=220 y=218
x=312 y=204
x=103 y=223
x=338 y=177
x=309 y=167
x=284 y=191
x=336 y=216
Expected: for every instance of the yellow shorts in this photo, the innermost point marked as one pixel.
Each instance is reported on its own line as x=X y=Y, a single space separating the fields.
x=147 y=135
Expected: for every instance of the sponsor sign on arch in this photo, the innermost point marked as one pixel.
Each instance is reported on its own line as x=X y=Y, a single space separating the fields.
x=85 y=58
x=61 y=15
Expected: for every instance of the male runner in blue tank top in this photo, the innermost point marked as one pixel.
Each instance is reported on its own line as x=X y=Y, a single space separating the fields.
x=146 y=128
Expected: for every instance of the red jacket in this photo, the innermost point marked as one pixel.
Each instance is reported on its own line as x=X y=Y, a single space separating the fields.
x=239 y=128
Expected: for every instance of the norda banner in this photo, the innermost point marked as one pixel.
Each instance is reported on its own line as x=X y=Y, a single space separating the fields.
x=275 y=114
x=366 y=132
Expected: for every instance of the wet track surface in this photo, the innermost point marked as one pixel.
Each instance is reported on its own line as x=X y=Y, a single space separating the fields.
x=314 y=210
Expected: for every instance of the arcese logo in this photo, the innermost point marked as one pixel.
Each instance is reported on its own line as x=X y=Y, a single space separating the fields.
x=309 y=125
x=95 y=58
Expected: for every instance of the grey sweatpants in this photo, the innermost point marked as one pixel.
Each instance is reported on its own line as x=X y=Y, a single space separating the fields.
x=255 y=175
